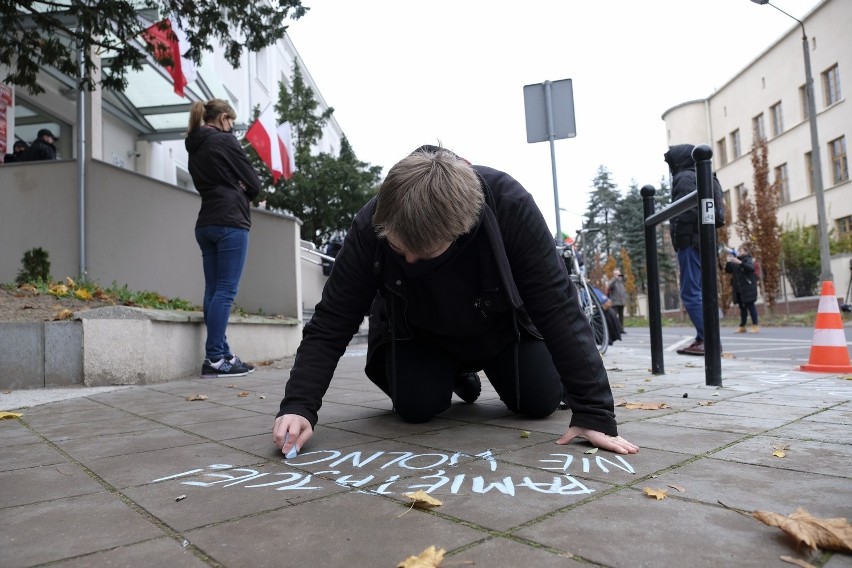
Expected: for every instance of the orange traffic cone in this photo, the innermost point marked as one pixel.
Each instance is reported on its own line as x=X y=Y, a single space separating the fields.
x=829 y=353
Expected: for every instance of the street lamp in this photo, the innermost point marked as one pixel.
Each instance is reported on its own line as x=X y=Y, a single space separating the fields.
x=816 y=163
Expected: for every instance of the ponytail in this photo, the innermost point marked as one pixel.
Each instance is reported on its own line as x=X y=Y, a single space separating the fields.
x=202 y=113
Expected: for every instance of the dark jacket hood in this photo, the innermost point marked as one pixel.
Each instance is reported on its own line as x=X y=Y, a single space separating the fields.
x=679 y=157
x=197 y=137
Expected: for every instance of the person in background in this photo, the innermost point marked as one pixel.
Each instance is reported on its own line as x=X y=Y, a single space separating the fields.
x=612 y=326
x=18 y=148
x=684 y=229
x=331 y=249
x=462 y=275
x=227 y=182
x=42 y=148
x=744 y=284
x=618 y=294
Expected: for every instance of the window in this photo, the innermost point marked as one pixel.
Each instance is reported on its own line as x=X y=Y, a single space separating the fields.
x=844 y=227
x=726 y=196
x=803 y=98
x=722 y=151
x=758 y=128
x=735 y=143
x=831 y=85
x=839 y=165
x=777 y=119
x=742 y=195
x=809 y=168
x=783 y=181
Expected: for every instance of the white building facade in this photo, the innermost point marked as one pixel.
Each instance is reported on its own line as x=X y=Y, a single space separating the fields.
x=768 y=99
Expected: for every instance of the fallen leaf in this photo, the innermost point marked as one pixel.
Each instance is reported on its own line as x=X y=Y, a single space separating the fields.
x=423 y=500
x=525 y=434
x=7 y=392
x=591 y=451
x=617 y=386
x=796 y=561
x=645 y=405
x=63 y=314
x=827 y=534
x=647 y=380
x=779 y=453
x=707 y=403
x=658 y=493
x=83 y=294
x=58 y=290
x=640 y=390
x=677 y=487
x=429 y=558
x=243 y=394
x=197 y=397
x=70 y=283
x=27 y=288
x=780 y=450
x=232 y=386
x=5 y=415
x=728 y=356
x=180 y=497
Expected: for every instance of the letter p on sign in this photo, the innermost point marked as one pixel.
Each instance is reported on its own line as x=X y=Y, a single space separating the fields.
x=708 y=212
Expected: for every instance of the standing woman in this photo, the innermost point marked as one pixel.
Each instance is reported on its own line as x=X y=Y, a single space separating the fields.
x=227 y=182
x=744 y=284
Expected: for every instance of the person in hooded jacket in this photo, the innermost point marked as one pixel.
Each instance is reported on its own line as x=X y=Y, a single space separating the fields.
x=459 y=273
x=744 y=284
x=227 y=183
x=684 y=230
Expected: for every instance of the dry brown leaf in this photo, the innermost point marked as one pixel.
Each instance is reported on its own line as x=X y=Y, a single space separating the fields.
x=617 y=386
x=797 y=562
x=707 y=403
x=63 y=314
x=423 y=500
x=658 y=493
x=197 y=397
x=727 y=355
x=779 y=453
x=429 y=558
x=677 y=487
x=232 y=386
x=9 y=415
x=827 y=534
x=243 y=394
x=645 y=405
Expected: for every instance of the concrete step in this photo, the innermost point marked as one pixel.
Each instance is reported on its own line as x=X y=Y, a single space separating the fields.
x=120 y=345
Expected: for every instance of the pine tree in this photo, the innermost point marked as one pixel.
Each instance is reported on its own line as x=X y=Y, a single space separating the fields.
x=600 y=213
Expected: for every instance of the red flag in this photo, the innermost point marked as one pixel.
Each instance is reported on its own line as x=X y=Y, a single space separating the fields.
x=167 y=51
x=273 y=145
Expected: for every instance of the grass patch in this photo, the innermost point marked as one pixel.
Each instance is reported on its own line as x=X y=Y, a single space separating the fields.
x=88 y=291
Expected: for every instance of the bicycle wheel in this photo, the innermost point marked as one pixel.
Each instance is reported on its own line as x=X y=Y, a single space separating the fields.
x=594 y=312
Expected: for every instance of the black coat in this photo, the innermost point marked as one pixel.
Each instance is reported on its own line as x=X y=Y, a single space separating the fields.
x=38 y=150
x=685 y=227
x=223 y=176
x=532 y=280
x=743 y=280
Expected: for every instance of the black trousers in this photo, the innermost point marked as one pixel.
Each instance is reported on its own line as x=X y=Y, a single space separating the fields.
x=528 y=384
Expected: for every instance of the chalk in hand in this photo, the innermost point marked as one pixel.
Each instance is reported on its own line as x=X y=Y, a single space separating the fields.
x=294 y=451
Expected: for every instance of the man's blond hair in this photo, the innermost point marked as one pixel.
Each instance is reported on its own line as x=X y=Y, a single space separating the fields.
x=428 y=198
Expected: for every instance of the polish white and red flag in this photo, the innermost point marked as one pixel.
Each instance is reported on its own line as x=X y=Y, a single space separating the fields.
x=170 y=42
x=274 y=144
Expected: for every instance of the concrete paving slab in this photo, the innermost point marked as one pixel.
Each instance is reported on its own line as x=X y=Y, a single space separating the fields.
x=371 y=533
x=390 y=426
x=841 y=414
x=162 y=551
x=44 y=484
x=475 y=438
x=333 y=412
x=14 y=433
x=60 y=430
x=683 y=440
x=197 y=412
x=109 y=444
x=70 y=527
x=506 y=552
x=735 y=424
x=628 y=528
x=801 y=455
x=752 y=487
x=142 y=467
x=29 y=455
x=226 y=429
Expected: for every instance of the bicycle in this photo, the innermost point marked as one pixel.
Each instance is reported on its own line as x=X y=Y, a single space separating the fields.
x=590 y=304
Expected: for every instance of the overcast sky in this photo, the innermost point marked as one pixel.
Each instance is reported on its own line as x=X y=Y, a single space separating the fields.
x=401 y=73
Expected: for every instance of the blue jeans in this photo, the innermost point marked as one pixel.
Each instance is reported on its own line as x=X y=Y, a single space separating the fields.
x=223 y=254
x=690 y=287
